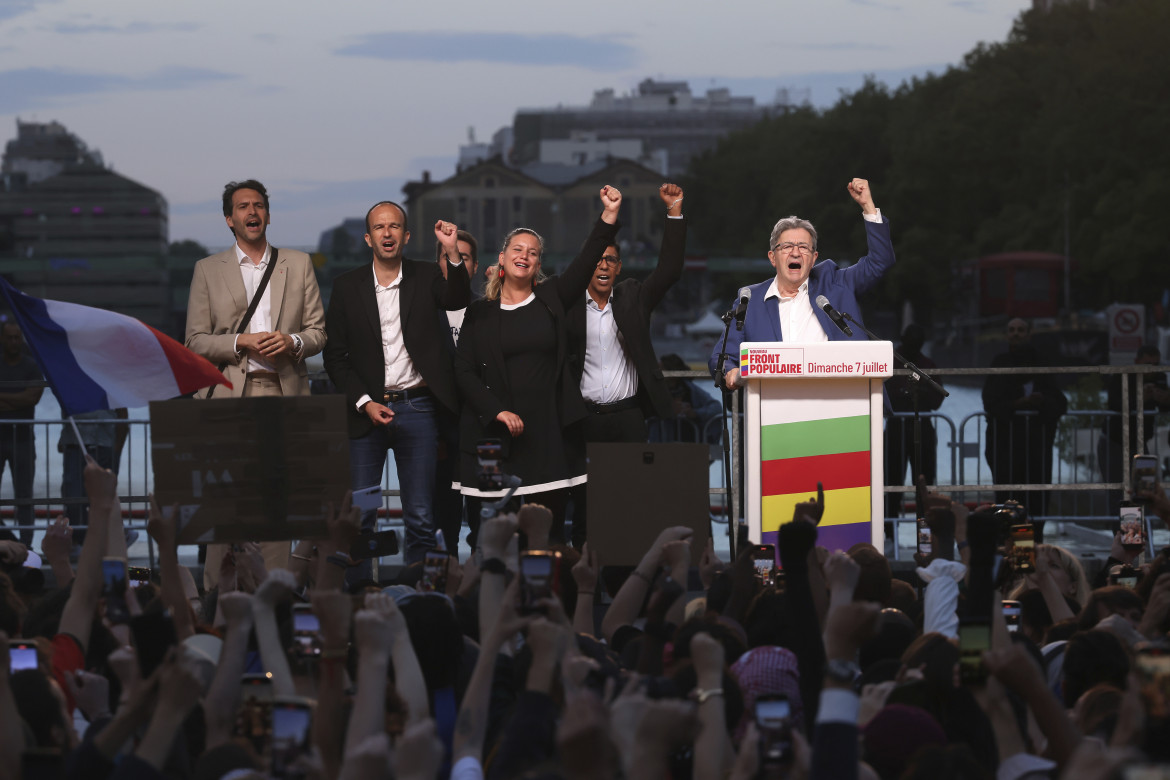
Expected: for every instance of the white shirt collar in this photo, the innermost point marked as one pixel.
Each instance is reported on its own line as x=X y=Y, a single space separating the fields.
x=593 y=304
x=378 y=286
x=774 y=290
x=243 y=258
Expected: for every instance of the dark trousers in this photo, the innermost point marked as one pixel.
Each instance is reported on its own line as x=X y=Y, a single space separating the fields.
x=1020 y=451
x=627 y=425
x=900 y=452
x=19 y=453
x=448 y=503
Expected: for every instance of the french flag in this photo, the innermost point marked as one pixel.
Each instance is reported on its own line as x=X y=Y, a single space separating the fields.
x=97 y=359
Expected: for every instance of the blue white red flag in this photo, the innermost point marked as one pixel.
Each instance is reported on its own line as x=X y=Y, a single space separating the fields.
x=97 y=359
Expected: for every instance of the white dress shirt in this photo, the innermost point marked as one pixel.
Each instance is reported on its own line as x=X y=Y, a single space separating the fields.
x=399 y=372
x=609 y=375
x=261 y=321
x=798 y=320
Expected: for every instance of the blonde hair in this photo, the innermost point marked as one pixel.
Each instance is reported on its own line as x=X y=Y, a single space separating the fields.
x=1072 y=567
x=491 y=291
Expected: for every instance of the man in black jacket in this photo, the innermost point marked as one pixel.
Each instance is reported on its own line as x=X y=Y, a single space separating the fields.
x=610 y=349
x=386 y=353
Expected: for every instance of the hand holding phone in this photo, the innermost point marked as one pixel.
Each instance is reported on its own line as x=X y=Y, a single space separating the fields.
x=115 y=579
x=974 y=641
x=1022 y=548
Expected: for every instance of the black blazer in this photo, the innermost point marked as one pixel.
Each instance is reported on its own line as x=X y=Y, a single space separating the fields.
x=633 y=301
x=353 y=351
x=479 y=361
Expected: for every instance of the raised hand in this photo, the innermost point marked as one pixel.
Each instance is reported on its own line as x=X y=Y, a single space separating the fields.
x=236 y=608
x=709 y=564
x=91 y=692
x=13 y=553
x=278 y=586
x=58 y=541
x=345 y=524
x=611 y=201
x=535 y=523
x=841 y=574
x=101 y=485
x=585 y=570
x=859 y=191
x=161 y=527
x=495 y=534
x=672 y=196
x=446 y=234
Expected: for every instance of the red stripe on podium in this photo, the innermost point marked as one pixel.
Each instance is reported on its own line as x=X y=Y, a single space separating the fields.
x=799 y=475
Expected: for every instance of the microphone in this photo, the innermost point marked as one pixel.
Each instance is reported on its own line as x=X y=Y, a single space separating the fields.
x=834 y=315
x=745 y=295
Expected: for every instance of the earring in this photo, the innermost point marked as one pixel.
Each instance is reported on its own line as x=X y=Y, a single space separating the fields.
x=501 y=272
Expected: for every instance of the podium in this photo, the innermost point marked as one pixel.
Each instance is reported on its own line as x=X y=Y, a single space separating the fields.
x=814 y=413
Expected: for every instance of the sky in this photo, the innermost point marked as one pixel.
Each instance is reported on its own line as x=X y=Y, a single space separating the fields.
x=335 y=105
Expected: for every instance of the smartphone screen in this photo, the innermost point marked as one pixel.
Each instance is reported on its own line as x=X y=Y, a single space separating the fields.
x=774 y=721
x=139 y=574
x=306 y=630
x=434 y=576
x=924 y=546
x=1145 y=474
x=1132 y=526
x=21 y=655
x=487 y=454
x=974 y=640
x=368 y=499
x=1023 y=548
x=537 y=577
x=115 y=578
x=764 y=559
x=1011 y=615
x=290 y=729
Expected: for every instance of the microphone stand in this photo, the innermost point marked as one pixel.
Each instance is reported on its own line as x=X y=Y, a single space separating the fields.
x=915 y=386
x=721 y=385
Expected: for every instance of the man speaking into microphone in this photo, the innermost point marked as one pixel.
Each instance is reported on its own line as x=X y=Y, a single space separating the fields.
x=802 y=303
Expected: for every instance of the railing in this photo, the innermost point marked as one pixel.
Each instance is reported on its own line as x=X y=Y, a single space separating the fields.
x=1076 y=472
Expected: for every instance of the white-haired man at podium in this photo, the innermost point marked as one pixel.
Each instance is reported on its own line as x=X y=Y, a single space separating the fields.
x=787 y=308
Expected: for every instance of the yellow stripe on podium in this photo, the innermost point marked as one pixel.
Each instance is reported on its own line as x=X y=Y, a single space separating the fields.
x=842 y=507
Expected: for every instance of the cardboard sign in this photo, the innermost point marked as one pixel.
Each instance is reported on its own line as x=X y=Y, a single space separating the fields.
x=635 y=491
x=250 y=469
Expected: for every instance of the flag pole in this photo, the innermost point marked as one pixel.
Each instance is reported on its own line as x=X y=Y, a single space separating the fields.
x=80 y=441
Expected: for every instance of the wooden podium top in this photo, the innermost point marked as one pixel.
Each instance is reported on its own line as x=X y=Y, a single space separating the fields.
x=833 y=359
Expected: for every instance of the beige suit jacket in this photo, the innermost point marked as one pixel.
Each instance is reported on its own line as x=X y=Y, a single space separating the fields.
x=219 y=301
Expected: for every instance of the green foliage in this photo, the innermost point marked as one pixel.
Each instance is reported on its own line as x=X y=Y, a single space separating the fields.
x=1068 y=113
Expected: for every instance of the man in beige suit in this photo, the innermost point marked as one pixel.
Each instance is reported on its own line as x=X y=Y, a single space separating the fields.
x=288 y=325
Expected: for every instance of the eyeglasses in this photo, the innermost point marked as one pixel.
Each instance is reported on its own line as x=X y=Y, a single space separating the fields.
x=788 y=246
x=610 y=259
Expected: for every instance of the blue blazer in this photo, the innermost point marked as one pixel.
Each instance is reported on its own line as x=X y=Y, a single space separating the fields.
x=840 y=285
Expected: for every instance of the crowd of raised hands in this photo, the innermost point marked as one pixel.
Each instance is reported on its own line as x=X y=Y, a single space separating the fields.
x=510 y=665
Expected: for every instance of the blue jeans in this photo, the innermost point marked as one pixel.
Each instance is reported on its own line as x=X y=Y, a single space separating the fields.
x=413 y=434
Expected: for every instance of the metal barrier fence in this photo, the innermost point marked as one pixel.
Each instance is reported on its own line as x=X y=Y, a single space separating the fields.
x=1076 y=470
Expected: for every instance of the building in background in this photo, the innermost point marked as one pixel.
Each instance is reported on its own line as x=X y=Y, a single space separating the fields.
x=71 y=229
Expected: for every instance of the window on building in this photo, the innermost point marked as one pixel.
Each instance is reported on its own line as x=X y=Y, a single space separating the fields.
x=461 y=204
x=489 y=213
x=489 y=182
x=517 y=203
